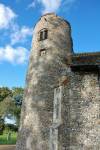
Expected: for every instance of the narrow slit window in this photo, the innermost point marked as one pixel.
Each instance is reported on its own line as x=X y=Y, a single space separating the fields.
x=43 y=34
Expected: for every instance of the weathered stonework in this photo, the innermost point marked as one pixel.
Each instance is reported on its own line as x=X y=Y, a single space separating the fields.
x=60 y=110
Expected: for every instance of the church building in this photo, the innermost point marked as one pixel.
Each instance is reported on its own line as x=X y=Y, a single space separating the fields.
x=60 y=110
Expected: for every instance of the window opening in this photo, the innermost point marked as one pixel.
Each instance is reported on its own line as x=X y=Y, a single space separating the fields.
x=42 y=52
x=43 y=34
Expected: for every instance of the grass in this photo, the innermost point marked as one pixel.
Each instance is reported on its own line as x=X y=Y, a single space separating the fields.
x=11 y=140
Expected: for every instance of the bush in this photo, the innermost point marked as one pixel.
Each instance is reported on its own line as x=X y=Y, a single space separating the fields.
x=11 y=127
x=2 y=126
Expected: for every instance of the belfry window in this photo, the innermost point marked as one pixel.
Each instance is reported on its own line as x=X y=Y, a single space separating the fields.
x=43 y=34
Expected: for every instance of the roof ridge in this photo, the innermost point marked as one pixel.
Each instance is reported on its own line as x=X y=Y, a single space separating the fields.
x=86 y=54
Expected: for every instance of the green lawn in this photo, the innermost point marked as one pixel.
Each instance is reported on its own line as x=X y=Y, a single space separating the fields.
x=11 y=139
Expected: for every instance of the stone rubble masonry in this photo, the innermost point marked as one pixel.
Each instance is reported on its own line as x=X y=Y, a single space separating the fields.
x=60 y=110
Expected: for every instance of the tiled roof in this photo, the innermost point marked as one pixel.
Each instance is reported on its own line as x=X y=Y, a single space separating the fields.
x=86 y=59
x=85 y=62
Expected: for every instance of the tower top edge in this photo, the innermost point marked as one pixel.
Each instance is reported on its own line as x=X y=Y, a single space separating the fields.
x=46 y=14
x=54 y=14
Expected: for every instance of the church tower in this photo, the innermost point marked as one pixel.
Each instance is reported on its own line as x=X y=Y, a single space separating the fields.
x=42 y=119
x=61 y=106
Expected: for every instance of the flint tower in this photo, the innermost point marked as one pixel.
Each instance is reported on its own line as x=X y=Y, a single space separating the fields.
x=42 y=113
x=59 y=110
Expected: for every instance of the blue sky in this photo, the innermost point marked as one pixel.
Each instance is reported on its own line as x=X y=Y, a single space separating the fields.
x=17 y=20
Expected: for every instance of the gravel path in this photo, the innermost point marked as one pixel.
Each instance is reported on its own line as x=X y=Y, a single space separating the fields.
x=7 y=147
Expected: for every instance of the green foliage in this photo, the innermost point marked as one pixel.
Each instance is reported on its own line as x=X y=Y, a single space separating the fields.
x=6 y=106
x=17 y=91
x=11 y=127
x=2 y=126
x=5 y=92
x=18 y=99
x=10 y=105
x=11 y=102
x=12 y=140
x=18 y=95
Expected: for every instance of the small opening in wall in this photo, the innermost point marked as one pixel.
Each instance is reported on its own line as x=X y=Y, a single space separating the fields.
x=42 y=52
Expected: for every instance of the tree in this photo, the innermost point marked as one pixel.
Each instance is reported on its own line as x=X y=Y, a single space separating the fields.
x=6 y=106
x=8 y=109
x=1 y=125
x=17 y=91
x=18 y=99
x=10 y=106
x=5 y=92
x=11 y=127
x=18 y=95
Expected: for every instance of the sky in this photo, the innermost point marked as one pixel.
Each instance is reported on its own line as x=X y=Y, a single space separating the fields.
x=17 y=21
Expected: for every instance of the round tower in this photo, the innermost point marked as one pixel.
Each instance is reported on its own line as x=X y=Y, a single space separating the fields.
x=41 y=116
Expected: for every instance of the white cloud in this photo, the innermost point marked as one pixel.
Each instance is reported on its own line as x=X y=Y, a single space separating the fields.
x=6 y=16
x=20 y=35
x=53 y=5
x=17 y=55
x=32 y=5
x=50 y=5
x=13 y=55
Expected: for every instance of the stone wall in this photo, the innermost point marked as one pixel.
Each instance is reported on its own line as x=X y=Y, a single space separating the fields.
x=81 y=108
